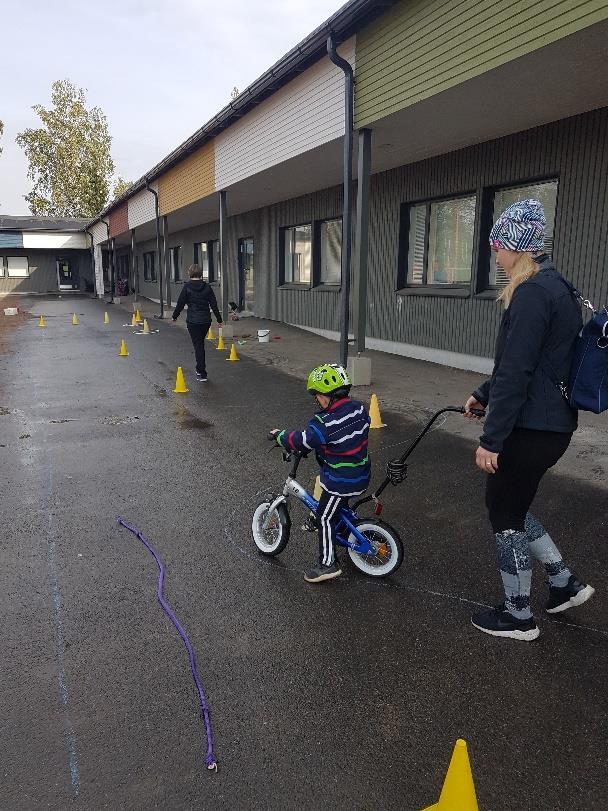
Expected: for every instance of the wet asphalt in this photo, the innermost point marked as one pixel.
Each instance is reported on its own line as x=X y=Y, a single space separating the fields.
x=348 y=695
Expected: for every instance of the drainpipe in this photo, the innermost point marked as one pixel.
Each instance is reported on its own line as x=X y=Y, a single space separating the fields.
x=346 y=209
x=160 y=271
x=92 y=256
x=110 y=261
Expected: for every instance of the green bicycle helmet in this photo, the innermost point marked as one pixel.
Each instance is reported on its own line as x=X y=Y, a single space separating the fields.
x=330 y=378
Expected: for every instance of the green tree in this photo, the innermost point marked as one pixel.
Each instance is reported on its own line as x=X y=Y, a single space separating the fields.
x=69 y=156
x=120 y=187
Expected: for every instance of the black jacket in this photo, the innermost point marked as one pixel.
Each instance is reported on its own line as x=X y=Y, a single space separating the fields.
x=200 y=298
x=535 y=345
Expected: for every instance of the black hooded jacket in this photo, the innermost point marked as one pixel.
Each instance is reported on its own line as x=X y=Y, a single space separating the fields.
x=535 y=344
x=200 y=298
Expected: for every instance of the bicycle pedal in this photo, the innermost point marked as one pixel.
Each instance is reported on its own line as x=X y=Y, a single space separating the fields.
x=308 y=527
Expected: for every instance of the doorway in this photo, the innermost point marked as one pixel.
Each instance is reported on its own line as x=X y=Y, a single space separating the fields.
x=66 y=277
x=246 y=286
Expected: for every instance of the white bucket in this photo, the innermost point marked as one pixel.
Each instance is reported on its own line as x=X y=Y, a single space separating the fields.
x=11 y=311
x=264 y=336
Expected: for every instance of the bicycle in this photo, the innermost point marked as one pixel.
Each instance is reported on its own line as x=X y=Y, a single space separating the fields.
x=374 y=547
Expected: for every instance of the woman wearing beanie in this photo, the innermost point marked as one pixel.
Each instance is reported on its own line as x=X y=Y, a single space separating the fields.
x=529 y=423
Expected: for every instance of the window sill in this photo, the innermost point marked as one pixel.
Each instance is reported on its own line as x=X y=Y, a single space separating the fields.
x=327 y=288
x=294 y=286
x=490 y=295
x=440 y=292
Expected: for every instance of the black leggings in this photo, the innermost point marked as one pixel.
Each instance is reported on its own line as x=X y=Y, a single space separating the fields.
x=198 y=333
x=525 y=458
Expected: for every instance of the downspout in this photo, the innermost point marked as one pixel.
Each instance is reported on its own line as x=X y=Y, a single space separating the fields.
x=347 y=205
x=92 y=257
x=160 y=271
x=110 y=262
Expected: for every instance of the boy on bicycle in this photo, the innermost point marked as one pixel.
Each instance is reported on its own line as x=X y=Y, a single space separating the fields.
x=338 y=434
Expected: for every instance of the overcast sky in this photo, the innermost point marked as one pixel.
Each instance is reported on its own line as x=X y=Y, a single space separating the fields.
x=159 y=69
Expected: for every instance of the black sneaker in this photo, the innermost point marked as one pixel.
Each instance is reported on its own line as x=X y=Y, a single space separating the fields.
x=201 y=378
x=572 y=594
x=310 y=525
x=320 y=573
x=501 y=623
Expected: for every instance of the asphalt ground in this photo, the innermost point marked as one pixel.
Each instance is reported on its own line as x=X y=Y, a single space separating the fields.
x=348 y=695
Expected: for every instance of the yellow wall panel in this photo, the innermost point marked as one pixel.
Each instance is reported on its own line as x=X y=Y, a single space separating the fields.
x=188 y=181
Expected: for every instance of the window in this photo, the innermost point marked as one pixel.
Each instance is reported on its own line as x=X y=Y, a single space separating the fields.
x=17 y=266
x=546 y=193
x=123 y=267
x=215 y=267
x=296 y=252
x=149 y=267
x=1 y=266
x=176 y=263
x=201 y=258
x=439 y=238
x=330 y=271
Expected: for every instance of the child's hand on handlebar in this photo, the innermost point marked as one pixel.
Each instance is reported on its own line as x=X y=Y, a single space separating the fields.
x=272 y=435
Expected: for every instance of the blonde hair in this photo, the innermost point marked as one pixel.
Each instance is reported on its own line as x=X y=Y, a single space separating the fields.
x=523 y=269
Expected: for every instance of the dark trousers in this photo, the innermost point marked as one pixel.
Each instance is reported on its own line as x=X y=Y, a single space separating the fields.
x=198 y=333
x=525 y=458
x=327 y=520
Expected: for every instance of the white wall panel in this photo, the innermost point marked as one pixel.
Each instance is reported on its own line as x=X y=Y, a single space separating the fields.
x=100 y=232
x=307 y=112
x=57 y=240
x=142 y=207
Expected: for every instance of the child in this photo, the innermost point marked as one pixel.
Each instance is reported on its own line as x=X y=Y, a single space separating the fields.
x=338 y=435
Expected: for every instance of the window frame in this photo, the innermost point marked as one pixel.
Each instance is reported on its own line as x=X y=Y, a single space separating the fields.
x=152 y=255
x=285 y=285
x=2 y=271
x=424 y=288
x=197 y=257
x=317 y=236
x=10 y=275
x=176 y=267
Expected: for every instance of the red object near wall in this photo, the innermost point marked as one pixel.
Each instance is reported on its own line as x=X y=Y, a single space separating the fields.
x=119 y=220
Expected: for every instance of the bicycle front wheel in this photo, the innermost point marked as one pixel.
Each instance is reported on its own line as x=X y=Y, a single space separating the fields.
x=387 y=548
x=272 y=539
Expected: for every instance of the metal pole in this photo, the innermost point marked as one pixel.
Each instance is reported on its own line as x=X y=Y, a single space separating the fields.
x=112 y=269
x=160 y=270
x=362 y=238
x=346 y=210
x=134 y=264
x=166 y=262
x=224 y=255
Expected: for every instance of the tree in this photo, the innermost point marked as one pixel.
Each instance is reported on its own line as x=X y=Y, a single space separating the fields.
x=69 y=156
x=120 y=187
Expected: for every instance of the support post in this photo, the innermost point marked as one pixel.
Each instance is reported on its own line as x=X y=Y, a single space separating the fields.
x=224 y=256
x=160 y=271
x=166 y=259
x=134 y=265
x=362 y=239
x=347 y=204
x=112 y=258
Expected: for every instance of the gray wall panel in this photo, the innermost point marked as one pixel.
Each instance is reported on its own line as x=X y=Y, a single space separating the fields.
x=43 y=270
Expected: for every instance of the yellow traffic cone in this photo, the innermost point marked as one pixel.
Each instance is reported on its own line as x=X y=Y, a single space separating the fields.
x=180 y=383
x=233 y=355
x=211 y=334
x=42 y=322
x=458 y=792
x=146 y=329
x=106 y=318
x=124 y=353
x=133 y=320
x=220 y=343
x=374 y=413
x=138 y=317
x=75 y=321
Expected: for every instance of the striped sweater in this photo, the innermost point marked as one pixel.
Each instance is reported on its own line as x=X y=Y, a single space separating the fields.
x=339 y=437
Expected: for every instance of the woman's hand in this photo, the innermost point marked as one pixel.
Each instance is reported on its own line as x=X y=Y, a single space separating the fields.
x=472 y=403
x=486 y=460
x=220 y=323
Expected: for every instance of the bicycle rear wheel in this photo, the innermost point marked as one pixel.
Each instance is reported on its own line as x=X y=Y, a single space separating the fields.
x=387 y=545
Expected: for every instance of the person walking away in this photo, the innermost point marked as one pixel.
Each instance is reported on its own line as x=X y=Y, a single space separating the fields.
x=530 y=423
x=338 y=434
x=200 y=300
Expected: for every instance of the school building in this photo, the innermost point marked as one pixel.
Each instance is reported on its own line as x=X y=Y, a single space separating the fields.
x=460 y=108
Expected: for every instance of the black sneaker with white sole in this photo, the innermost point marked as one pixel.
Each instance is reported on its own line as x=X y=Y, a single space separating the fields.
x=572 y=594
x=320 y=573
x=499 y=622
x=201 y=378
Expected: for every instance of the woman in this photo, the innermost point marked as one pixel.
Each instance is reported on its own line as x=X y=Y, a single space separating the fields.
x=200 y=298
x=529 y=423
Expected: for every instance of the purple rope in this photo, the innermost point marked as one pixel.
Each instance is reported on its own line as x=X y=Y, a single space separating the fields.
x=210 y=759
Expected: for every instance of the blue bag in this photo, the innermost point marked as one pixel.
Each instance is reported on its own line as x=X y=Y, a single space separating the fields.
x=588 y=384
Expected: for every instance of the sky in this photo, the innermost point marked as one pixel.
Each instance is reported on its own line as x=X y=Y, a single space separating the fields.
x=159 y=70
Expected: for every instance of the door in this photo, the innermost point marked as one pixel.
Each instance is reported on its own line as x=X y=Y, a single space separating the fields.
x=246 y=286
x=66 y=278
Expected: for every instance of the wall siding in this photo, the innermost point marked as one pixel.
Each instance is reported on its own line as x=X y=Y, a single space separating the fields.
x=192 y=179
x=419 y=48
x=100 y=233
x=11 y=239
x=43 y=271
x=142 y=207
x=119 y=220
x=307 y=112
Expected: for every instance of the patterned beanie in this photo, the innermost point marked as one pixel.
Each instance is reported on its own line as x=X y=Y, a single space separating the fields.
x=521 y=227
